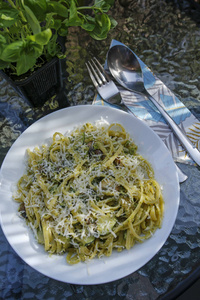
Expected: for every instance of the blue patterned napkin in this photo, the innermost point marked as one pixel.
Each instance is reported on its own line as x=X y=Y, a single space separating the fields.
x=147 y=112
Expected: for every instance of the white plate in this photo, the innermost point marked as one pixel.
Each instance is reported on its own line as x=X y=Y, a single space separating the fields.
x=96 y=271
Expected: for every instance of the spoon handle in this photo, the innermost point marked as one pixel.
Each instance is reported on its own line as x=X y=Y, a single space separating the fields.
x=186 y=143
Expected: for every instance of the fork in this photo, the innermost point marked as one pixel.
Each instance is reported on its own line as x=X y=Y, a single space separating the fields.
x=104 y=85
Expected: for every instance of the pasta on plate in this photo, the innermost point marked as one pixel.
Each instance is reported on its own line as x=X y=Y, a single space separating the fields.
x=89 y=192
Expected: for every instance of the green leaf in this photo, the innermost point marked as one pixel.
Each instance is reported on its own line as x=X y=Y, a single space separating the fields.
x=103 y=25
x=41 y=38
x=38 y=7
x=28 y=57
x=25 y=63
x=63 y=31
x=52 y=46
x=33 y=49
x=8 y=16
x=74 y=19
x=103 y=5
x=56 y=24
x=32 y=20
x=13 y=32
x=57 y=8
x=12 y=52
x=23 y=53
x=88 y=26
x=2 y=44
x=36 y=4
x=88 y=23
x=3 y=64
x=2 y=39
x=113 y=23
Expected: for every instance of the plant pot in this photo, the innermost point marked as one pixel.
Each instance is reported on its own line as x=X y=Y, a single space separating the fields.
x=42 y=84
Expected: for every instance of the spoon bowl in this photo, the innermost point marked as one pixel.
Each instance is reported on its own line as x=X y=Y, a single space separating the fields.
x=125 y=68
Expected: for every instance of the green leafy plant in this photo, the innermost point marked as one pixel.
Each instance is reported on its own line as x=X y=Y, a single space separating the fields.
x=29 y=29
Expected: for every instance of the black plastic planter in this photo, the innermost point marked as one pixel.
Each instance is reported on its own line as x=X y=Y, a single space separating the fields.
x=42 y=84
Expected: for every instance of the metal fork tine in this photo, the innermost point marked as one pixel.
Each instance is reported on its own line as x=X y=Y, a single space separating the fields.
x=99 y=70
x=89 y=67
x=102 y=70
x=95 y=72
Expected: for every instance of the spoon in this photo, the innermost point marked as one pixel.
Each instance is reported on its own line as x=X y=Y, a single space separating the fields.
x=125 y=68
